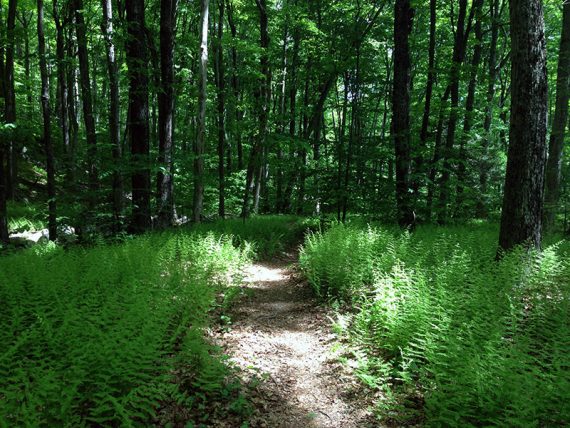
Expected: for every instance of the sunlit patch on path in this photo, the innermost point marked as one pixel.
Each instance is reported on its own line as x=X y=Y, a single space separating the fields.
x=280 y=335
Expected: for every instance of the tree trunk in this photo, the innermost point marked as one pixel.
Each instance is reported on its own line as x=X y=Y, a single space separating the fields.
x=62 y=88
x=165 y=179
x=71 y=106
x=460 y=43
x=201 y=137
x=86 y=95
x=50 y=164
x=481 y=210
x=521 y=221
x=238 y=114
x=114 y=114
x=554 y=164
x=403 y=18
x=468 y=118
x=137 y=62
x=221 y=106
x=263 y=95
x=419 y=158
x=10 y=99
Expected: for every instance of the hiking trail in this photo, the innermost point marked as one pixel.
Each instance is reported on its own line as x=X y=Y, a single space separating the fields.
x=282 y=337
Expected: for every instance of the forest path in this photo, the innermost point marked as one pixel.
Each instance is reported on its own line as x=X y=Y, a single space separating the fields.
x=282 y=337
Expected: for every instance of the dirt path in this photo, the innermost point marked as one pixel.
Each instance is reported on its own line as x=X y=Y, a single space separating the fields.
x=281 y=336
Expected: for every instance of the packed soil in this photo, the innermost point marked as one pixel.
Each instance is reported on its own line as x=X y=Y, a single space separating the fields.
x=281 y=341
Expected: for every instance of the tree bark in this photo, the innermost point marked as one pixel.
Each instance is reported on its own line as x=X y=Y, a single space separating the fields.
x=494 y=8
x=403 y=18
x=556 y=144
x=114 y=114
x=137 y=62
x=459 y=46
x=72 y=106
x=238 y=114
x=86 y=95
x=221 y=110
x=419 y=158
x=263 y=95
x=62 y=88
x=10 y=99
x=521 y=221
x=469 y=107
x=165 y=179
x=50 y=164
x=202 y=94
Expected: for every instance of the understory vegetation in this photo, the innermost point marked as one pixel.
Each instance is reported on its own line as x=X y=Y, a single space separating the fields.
x=114 y=334
x=442 y=333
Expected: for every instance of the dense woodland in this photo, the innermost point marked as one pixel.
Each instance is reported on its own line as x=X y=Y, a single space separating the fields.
x=420 y=143
x=128 y=116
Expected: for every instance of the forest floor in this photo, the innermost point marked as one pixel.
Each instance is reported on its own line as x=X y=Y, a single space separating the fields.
x=281 y=341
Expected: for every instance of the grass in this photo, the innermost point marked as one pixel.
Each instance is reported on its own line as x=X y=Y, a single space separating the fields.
x=441 y=332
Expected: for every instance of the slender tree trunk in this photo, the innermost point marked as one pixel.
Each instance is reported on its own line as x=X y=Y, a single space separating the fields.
x=71 y=106
x=4 y=236
x=62 y=88
x=461 y=36
x=468 y=118
x=86 y=95
x=238 y=114
x=282 y=122
x=10 y=98
x=137 y=62
x=263 y=95
x=403 y=18
x=437 y=153
x=521 y=221
x=25 y=19
x=114 y=113
x=484 y=162
x=556 y=144
x=165 y=178
x=419 y=158
x=201 y=137
x=52 y=224
x=221 y=107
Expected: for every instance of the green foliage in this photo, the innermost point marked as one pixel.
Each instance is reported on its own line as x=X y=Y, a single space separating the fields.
x=486 y=342
x=25 y=217
x=107 y=335
x=266 y=236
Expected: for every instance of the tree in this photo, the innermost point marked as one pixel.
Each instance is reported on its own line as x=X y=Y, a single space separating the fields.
x=262 y=97
x=114 y=109
x=556 y=144
x=137 y=60
x=202 y=97
x=10 y=98
x=50 y=165
x=165 y=179
x=403 y=16
x=469 y=107
x=419 y=160
x=459 y=47
x=523 y=199
x=221 y=108
x=86 y=95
